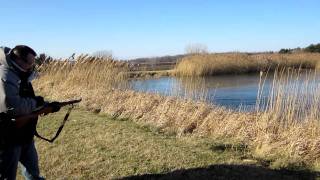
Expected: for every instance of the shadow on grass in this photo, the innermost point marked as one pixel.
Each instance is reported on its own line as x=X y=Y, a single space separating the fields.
x=229 y=172
x=229 y=147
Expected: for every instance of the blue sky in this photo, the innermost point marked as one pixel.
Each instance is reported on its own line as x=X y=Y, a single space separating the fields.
x=143 y=28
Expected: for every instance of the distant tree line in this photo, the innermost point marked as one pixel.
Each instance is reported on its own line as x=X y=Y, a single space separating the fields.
x=156 y=59
x=43 y=59
x=196 y=48
x=313 y=48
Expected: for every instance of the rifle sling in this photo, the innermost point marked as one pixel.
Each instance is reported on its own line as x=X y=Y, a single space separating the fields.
x=59 y=130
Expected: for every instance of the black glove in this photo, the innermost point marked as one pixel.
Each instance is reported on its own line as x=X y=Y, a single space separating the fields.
x=55 y=106
x=39 y=101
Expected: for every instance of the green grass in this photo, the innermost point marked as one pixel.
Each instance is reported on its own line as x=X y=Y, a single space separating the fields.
x=93 y=146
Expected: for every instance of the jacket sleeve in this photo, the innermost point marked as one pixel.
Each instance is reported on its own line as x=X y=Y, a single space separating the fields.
x=2 y=54
x=14 y=103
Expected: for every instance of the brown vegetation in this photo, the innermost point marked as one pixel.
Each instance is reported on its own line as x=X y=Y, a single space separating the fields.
x=274 y=134
x=234 y=63
x=85 y=73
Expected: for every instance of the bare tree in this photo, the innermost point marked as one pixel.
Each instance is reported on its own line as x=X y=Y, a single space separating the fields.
x=43 y=59
x=104 y=54
x=196 y=48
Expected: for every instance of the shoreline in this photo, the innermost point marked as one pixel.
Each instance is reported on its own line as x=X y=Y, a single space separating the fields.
x=280 y=141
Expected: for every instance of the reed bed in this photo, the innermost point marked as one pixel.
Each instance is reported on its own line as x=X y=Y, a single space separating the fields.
x=84 y=74
x=284 y=133
x=288 y=127
x=235 y=63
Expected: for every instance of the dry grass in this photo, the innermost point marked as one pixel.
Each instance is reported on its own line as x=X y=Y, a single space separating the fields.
x=274 y=134
x=100 y=147
x=289 y=126
x=233 y=63
x=82 y=75
x=92 y=146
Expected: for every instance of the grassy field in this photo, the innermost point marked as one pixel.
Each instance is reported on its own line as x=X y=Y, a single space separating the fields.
x=95 y=146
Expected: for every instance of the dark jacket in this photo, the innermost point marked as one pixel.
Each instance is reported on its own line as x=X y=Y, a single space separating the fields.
x=16 y=99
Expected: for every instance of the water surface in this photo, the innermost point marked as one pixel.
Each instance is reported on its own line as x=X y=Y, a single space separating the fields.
x=232 y=91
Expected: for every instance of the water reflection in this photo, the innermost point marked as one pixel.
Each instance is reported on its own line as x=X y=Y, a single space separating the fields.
x=230 y=91
x=233 y=91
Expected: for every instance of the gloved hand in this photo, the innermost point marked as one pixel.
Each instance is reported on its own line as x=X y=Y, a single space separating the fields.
x=39 y=101
x=55 y=106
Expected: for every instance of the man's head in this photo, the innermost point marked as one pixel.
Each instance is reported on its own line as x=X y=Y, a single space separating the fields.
x=24 y=56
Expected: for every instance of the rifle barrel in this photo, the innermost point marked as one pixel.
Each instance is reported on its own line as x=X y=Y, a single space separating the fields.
x=70 y=102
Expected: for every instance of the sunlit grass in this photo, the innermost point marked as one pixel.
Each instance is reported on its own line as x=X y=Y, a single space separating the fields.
x=92 y=146
x=235 y=63
x=85 y=74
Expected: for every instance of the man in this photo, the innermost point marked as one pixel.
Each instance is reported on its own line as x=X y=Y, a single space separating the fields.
x=17 y=99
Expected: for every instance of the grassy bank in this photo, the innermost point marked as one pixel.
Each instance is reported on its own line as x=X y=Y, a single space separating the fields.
x=274 y=135
x=235 y=63
x=94 y=146
x=150 y=74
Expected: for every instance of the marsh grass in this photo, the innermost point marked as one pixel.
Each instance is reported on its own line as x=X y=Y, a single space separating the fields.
x=286 y=134
x=289 y=125
x=86 y=70
x=84 y=74
x=236 y=63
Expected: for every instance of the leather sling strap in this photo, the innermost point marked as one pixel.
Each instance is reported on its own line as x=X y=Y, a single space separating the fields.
x=59 y=130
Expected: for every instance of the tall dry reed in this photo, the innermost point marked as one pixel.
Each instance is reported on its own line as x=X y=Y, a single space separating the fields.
x=235 y=63
x=290 y=123
x=84 y=74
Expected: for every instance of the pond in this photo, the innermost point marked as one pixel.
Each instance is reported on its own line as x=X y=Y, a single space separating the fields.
x=231 y=91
